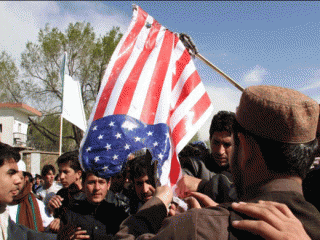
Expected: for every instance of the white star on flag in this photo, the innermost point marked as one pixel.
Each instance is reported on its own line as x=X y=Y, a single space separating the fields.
x=115 y=157
x=160 y=156
x=111 y=124
x=129 y=125
x=137 y=139
x=100 y=137
x=127 y=146
x=118 y=135
x=88 y=149
x=155 y=144
x=149 y=133
x=105 y=168
x=96 y=159
x=95 y=128
x=108 y=146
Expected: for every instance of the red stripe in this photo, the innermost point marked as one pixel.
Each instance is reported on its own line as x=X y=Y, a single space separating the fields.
x=180 y=65
x=132 y=37
x=175 y=169
x=126 y=49
x=198 y=109
x=176 y=40
x=192 y=82
x=150 y=107
x=130 y=85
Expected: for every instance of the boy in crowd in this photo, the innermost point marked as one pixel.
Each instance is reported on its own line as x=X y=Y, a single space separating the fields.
x=97 y=218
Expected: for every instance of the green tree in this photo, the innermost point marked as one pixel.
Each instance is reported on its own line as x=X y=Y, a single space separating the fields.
x=88 y=56
x=10 y=90
x=52 y=123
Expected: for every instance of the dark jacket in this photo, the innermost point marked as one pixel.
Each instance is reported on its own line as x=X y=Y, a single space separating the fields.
x=218 y=186
x=101 y=221
x=69 y=195
x=17 y=231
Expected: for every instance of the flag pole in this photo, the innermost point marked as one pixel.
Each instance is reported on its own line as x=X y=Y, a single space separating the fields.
x=60 y=142
x=194 y=52
x=234 y=83
x=62 y=72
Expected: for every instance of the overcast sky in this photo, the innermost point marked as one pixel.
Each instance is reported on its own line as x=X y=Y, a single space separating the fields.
x=275 y=43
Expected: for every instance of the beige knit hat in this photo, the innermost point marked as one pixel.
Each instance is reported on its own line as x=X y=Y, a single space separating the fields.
x=277 y=113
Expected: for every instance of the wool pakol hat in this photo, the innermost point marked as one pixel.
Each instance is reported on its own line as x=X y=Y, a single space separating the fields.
x=279 y=114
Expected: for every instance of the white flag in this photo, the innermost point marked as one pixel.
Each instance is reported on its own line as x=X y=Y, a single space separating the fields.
x=73 y=110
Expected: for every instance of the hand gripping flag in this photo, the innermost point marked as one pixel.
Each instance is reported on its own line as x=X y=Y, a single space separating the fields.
x=151 y=97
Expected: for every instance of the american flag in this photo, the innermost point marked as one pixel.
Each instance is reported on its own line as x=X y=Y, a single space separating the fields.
x=151 y=97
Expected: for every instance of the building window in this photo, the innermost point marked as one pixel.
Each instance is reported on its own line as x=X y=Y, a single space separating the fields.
x=0 y=128
x=19 y=127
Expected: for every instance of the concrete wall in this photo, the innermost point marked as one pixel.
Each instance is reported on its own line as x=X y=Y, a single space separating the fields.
x=35 y=160
x=7 y=123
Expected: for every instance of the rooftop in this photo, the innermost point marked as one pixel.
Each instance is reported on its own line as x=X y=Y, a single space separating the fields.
x=30 y=111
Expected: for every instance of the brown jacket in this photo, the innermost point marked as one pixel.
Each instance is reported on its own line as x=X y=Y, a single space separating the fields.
x=213 y=223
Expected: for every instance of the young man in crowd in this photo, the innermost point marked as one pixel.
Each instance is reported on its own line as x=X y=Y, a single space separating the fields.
x=37 y=183
x=268 y=118
x=9 y=187
x=26 y=209
x=97 y=218
x=70 y=176
x=50 y=187
x=142 y=174
x=212 y=175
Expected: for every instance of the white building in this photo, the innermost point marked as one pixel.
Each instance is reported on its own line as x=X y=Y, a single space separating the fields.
x=14 y=123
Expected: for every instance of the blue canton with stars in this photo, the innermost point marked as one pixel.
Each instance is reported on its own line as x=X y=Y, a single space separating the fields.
x=111 y=139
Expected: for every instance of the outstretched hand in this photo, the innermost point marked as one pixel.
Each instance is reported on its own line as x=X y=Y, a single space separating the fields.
x=275 y=221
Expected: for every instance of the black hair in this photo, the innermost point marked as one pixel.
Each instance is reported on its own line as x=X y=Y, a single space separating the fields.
x=29 y=175
x=293 y=159
x=46 y=168
x=141 y=166
x=71 y=158
x=7 y=152
x=87 y=173
x=222 y=121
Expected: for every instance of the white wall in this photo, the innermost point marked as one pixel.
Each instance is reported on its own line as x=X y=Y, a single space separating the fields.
x=7 y=130
x=10 y=120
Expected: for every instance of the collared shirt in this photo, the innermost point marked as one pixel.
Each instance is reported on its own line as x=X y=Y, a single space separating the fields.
x=4 y=222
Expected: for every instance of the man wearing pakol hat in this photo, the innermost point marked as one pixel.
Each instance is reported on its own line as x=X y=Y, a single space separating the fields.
x=274 y=146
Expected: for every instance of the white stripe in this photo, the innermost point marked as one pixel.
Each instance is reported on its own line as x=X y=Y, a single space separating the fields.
x=124 y=75
x=187 y=72
x=141 y=91
x=113 y=59
x=163 y=109
x=194 y=129
x=186 y=105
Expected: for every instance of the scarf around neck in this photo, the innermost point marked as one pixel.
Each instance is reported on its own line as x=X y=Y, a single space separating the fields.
x=28 y=213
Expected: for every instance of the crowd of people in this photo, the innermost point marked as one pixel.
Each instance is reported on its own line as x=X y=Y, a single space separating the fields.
x=250 y=183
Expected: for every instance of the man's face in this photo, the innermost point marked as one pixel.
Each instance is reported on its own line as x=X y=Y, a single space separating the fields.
x=96 y=188
x=68 y=175
x=38 y=181
x=9 y=181
x=143 y=187
x=49 y=178
x=221 y=147
x=23 y=181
